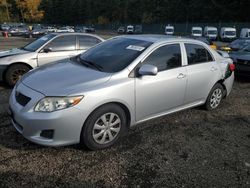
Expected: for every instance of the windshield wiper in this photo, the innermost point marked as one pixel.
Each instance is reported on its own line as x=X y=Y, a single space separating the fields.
x=91 y=64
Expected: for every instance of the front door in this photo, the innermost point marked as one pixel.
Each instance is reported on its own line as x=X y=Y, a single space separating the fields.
x=158 y=94
x=62 y=47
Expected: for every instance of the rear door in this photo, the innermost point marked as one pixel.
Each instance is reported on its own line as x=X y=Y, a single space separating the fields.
x=165 y=91
x=202 y=72
x=62 y=47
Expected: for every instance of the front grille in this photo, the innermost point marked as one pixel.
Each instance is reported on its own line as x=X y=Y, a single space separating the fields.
x=243 y=62
x=22 y=99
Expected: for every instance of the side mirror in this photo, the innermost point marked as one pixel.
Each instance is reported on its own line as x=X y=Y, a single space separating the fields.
x=47 y=50
x=148 y=70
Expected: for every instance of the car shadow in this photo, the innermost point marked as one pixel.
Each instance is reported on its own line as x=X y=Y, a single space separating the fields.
x=4 y=86
x=242 y=79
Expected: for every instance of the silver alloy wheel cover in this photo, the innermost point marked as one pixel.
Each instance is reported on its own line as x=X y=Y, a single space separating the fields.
x=106 y=128
x=216 y=98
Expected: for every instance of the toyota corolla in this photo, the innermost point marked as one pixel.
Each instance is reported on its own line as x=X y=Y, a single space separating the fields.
x=95 y=97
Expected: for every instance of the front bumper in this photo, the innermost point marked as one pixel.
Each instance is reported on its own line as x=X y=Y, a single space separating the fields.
x=2 y=70
x=65 y=124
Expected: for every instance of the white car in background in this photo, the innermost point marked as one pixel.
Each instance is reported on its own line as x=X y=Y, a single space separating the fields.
x=49 y=48
x=169 y=30
x=228 y=34
x=196 y=31
x=65 y=30
x=211 y=33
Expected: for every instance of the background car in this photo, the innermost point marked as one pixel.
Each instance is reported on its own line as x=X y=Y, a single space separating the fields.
x=121 y=30
x=18 y=30
x=236 y=45
x=66 y=29
x=130 y=29
x=138 y=29
x=196 y=31
x=115 y=85
x=205 y=40
x=241 y=60
x=52 y=47
x=5 y=27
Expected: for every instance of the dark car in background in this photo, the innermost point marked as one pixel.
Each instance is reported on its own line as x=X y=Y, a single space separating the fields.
x=17 y=31
x=5 y=27
x=241 y=59
x=236 y=45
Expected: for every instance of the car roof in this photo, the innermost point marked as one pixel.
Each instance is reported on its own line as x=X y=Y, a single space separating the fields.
x=76 y=33
x=158 y=38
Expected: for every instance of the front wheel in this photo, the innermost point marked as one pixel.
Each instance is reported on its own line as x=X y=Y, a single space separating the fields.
x=14 y=73
x=104 y=127
x=215 y=97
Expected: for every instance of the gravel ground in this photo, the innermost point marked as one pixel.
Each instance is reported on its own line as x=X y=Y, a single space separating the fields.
x=193 y=148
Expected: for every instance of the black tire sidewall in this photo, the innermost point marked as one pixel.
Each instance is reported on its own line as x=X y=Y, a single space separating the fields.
x=11 y=69
x=86 y=134
x=208 y=102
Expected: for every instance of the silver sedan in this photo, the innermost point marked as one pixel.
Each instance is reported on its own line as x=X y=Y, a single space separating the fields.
x=52 y=47
x=95 y=97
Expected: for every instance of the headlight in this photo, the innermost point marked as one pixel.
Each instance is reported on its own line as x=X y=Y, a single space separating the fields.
x=51 y=104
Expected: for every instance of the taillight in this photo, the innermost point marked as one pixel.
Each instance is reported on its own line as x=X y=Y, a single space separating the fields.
x=232 y=67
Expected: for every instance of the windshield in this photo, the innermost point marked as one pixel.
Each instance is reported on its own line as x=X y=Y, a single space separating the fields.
x=38 y=43
x=212 y=32
x=116 y=54
x=197 y=32
x=230 y=33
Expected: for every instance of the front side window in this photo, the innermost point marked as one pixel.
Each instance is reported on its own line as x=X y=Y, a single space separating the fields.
x=62 y=43
x=33 y=46
x=165 y=57
x=197 y=54
x=86 y=42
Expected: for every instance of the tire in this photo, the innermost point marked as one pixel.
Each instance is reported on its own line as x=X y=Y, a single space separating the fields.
x=14 y=73
x=215 y=97
x=96 y=135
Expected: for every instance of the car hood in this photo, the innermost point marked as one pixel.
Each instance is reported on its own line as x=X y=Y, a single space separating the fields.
x=12 y=52
x=64 y=78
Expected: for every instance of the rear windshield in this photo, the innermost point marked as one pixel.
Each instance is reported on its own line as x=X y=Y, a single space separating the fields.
x=38 y=43
x=116 y=54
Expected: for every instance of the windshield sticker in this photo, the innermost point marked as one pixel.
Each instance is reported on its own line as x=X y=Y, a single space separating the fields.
x=136 y=48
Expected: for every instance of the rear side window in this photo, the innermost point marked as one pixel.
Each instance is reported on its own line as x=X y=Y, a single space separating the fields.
x=197 y=54
x=86 y=42
x=165 y=57
x=63 y=43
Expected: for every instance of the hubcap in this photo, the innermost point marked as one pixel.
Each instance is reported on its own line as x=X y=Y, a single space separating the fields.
x=106 y=128
x=17 y=74
x=216 y=98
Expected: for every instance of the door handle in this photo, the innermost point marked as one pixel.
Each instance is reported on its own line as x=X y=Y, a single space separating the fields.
x=181 y=76
x=214 y=69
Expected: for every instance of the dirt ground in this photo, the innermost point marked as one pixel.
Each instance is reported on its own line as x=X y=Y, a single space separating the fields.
x=193 y=148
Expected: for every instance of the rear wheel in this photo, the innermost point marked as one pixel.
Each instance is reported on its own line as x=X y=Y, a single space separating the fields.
x=215 y=97
x=14 y=73
x=104 y=127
